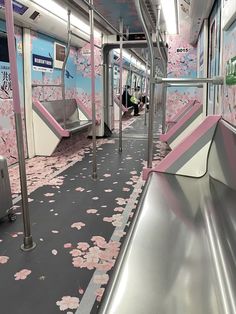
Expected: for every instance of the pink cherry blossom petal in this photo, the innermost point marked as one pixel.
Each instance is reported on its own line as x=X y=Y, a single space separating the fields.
x=78 y=225
x=68 y=303
x=79 y=189
x=49 y=194
x=92 y=211
x=23 y=274
x=4 y=259
x=67 y=245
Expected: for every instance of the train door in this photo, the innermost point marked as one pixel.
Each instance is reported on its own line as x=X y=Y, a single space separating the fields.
x=8 y=147
x=214 y=58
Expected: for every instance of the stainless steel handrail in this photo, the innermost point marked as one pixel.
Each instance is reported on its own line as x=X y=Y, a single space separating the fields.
x=93 y=90
x=121 y=85
x=198 y=85
x=152 y=83
x=46 y=85
x=69 y=37
x=28 y=243
x=188 y=82
x=215 y=80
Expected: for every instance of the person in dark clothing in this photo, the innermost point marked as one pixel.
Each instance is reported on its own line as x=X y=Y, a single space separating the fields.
x=136 y=100
x=126 y=97
x=127 y=100
x=145 y=101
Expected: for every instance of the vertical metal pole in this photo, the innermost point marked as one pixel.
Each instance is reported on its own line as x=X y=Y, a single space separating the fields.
x=43 y=79
x=164 y=69
x=152 y=84
x=91 y=19
x=126 y=91
x=146 y=89
x=164 y=91
x=130 y=72
x=121 y=86
x=69 y=35
x=105 y=84
x=28 y=239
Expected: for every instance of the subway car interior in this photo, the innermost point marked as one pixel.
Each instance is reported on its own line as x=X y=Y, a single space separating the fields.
x=118 y=156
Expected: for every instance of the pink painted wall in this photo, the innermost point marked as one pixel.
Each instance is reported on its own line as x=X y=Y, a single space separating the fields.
x=229 y=91
x=8 y=147
x=182 y=63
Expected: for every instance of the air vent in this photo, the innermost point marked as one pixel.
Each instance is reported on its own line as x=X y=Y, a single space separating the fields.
x=34 y=15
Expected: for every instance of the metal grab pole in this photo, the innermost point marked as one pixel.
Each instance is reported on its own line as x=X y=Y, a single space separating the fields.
x=152 y=85
x=164 y=68
x=64 y=66
x=215 y=80
x=121 y=87
x=126 y=90
x=28 y=244
x=164 y=91
x=93 y=100
x=146 y=89
x=198 y=85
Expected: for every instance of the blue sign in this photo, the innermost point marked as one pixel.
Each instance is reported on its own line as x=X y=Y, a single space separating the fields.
x=42 y=64
x=17 y=7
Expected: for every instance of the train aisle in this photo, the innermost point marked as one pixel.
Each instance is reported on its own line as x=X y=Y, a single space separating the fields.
x=78 y=225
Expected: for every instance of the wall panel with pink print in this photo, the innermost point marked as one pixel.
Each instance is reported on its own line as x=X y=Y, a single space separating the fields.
x=182 y=63
x=8 y=147
x=229 y=92
x=77 y=75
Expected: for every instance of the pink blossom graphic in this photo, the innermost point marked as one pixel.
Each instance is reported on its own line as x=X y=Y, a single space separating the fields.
x=91 y=211
x=67 y=245
x=49 y=194
x=78 y=225
x=75 y=253
x=68 y=303
x=4 y=259
x=23 y=274
x=99 y=294
x=79 y=189
x=119 y=209
x=83 y=246
x=78 y=262
x=101 y=279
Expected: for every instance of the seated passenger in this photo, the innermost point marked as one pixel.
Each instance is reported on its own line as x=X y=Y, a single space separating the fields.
x=145 y=101
x=126 y=97
x=135 y=100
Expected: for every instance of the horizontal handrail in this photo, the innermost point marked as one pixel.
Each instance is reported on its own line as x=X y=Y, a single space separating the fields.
x=46 y=85
x=215 y=80
x=198 y=85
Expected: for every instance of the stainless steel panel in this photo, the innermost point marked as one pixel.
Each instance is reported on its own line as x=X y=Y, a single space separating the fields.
x=167 y=268
x=221 y=163
x=5 y=190
x=56 y=108
x=220 y=219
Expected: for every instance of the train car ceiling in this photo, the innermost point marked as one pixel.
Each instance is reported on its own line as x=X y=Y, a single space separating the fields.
x=50 y=18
